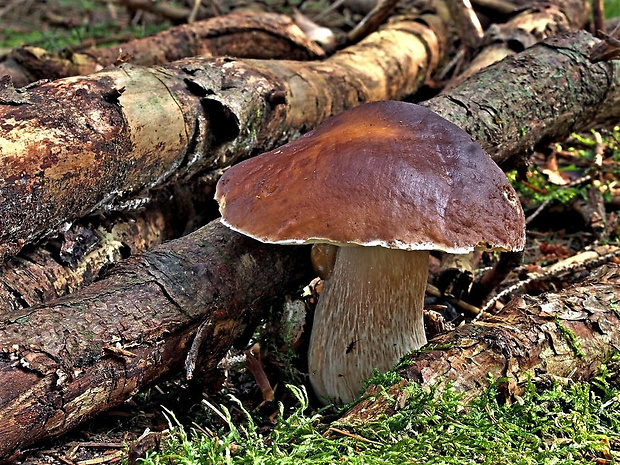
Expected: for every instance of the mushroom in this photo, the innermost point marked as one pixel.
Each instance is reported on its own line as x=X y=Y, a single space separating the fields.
x=385 y=182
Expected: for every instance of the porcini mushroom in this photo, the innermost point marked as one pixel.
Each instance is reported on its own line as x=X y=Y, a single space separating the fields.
x=386 y=182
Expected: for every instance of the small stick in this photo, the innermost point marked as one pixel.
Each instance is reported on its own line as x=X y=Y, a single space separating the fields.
x=337 y=4
x=598 y=18
x=583 y=260
x=435 y=292
x=467 y=22
x=609 y=48
x=354 y=436
x=542 y=206
x=192 y=15
x=371 y=22
x=500 y=6
x=115 y=457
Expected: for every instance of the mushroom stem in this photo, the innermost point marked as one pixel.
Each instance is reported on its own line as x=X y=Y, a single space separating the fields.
x=369 y=315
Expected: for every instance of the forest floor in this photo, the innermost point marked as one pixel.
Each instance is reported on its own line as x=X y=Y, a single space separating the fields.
x=571 y=196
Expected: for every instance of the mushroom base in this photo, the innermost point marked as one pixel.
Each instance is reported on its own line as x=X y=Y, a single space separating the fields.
x=369 y=315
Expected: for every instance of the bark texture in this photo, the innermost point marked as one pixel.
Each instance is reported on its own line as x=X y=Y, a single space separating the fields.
x=544 y=93
x=567 y=334
x=62 y=364
x=522 y=31
x=129 y=128
x=241 y=35
x=87 y=248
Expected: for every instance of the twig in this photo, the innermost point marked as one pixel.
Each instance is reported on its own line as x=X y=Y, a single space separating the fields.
x=192 y=16
x=609 y=48
x=106 y=445
x=162 y=9
x=337 y=4
x=254 y=365
x=371 y=22
x=469 y=308
x=115 y=457
x=354 y=436
x=550 y=199
x=215 y=410
x=467 y=22
x=580 y=261
x=502 y=7
x=598 y=18
x=24 y=3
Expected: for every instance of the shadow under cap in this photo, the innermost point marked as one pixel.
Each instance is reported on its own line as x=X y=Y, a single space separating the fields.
x=387 y=173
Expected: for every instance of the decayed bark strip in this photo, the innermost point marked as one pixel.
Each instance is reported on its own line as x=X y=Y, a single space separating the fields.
x=129 y=128
x=521 y=31
x=62 y=364
x=242 y=35
x=567 y=334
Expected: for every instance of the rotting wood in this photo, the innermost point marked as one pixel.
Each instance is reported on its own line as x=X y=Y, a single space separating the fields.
x=565 y=334
x=64 y=363
x=103 y=135
x=115 y=133
x=547 y=92
x=241 y=35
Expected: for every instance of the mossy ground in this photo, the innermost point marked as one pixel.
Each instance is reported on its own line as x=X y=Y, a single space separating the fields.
x=552 y=422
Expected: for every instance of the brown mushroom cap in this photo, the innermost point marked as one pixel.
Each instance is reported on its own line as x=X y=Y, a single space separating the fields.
x=388 y=173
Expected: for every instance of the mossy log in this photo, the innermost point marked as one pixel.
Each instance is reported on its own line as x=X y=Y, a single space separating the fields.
x=563 y=335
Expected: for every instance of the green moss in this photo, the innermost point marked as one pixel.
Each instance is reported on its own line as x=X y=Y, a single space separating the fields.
x=572 y=424
x=612 y=8
x=570 y=337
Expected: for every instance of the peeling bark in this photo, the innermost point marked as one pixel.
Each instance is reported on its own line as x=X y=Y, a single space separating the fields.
x=241 y=35
x=567 y=334
x=126 y=129
x=64 y=363
x=522 y=31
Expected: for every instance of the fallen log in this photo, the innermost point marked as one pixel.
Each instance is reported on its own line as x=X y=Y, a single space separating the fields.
x=545 y=93
x=120 y=131
x=520 y=32
x=64 y=363
x=38 y=275
x=566 y=334
x=101 y=135
x=241 y=35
